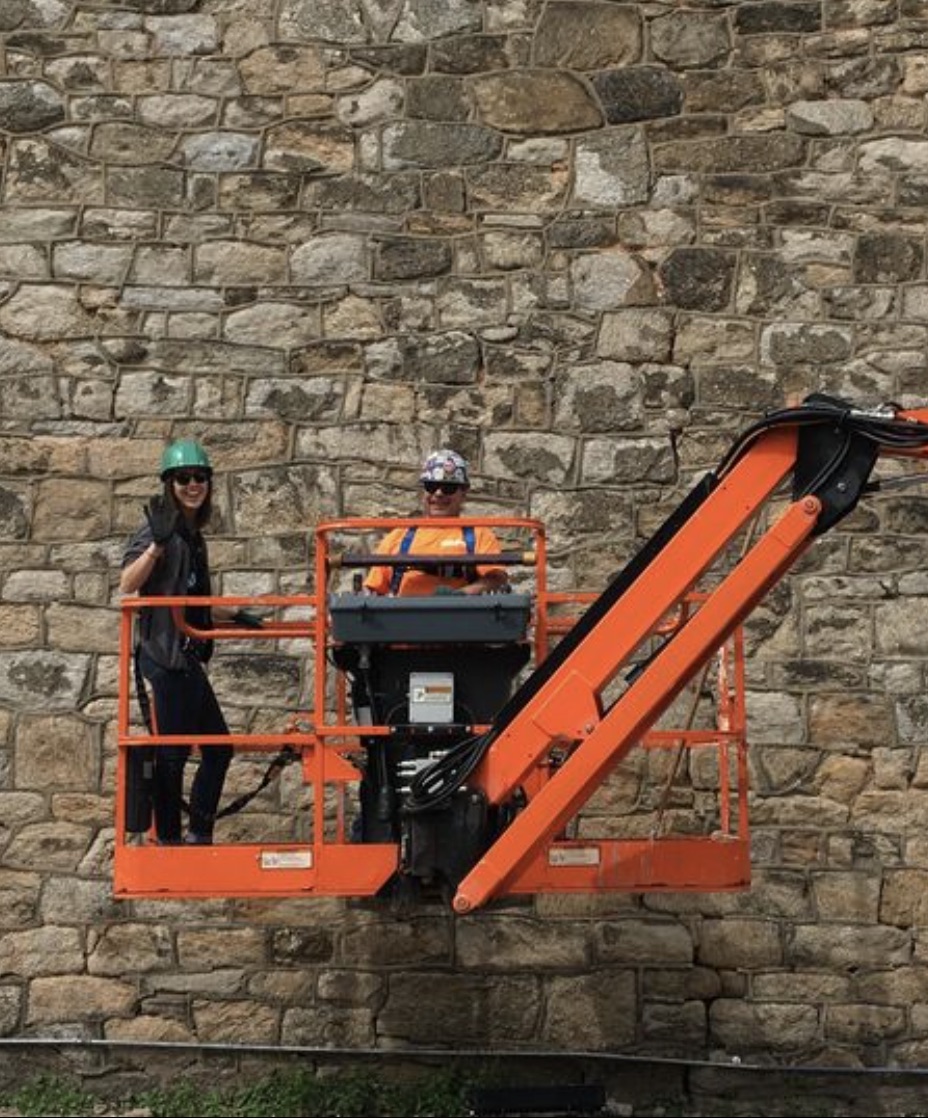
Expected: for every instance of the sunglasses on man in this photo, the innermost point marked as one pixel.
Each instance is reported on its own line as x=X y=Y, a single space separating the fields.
x=447 y=487
x=185 y=477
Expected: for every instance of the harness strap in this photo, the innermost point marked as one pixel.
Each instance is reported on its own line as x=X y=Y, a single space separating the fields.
x=141 y=692
x=399 y=572
x=287 y=756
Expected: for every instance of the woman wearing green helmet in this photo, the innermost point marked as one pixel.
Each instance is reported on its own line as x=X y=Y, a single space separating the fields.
x=185 y=454
x=167 y=555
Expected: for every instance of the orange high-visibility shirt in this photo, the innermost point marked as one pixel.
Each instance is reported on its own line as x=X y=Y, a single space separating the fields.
x=431 y=541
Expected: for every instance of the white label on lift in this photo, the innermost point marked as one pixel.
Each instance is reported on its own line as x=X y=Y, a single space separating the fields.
x=573 y=856
x=286 y=859
x=431 y=697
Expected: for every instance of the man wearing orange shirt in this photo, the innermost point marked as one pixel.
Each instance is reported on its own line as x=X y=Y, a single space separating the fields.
x=445 y=483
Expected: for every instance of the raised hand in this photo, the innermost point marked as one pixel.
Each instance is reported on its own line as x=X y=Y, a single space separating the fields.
x=163 y=519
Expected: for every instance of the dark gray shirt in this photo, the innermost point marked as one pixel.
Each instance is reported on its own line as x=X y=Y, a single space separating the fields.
x=182 y=570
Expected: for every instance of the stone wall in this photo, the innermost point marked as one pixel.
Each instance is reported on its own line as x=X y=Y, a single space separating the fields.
x=585 y=242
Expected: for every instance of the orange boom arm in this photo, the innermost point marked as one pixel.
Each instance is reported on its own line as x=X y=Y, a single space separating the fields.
x=830 y=449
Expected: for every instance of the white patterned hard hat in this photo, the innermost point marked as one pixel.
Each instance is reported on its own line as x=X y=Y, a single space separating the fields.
x=445 y=465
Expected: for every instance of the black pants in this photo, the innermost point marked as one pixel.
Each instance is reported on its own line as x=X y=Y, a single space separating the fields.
x=184 y=703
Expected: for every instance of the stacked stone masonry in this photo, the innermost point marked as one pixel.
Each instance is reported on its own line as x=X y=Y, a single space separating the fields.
x=586 y=242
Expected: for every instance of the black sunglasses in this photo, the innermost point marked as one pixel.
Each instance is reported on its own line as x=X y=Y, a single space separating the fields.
x=446 y=487
x=185 y=477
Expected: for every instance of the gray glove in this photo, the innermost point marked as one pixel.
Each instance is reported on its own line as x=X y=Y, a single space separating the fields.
x=246 y=620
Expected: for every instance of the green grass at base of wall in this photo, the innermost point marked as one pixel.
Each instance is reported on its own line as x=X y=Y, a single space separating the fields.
x=302 y=1093
x=284 y=1094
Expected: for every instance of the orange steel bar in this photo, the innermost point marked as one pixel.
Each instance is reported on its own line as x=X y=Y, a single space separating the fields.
x=271 y=629
x=320 y=686
x=253 y=870
x=125 y=658
x=558 y=625
x=913 y=415
x=381 y=523
x=724 y=759
x=320 y=663
x=316 y=774
x=738 y=717
x=274 y=741
x=240 y=741
x=638 y=612
x=325 y=562
x=670 y=739
x=724 y=788
x=609 y=740
x=542 y=598
x=122 y=720
x=713 y=865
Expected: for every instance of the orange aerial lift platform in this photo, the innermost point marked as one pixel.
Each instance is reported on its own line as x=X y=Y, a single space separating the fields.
x=473 y=748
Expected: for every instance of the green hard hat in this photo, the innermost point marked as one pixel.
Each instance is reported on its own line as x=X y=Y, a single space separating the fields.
x=185 y=452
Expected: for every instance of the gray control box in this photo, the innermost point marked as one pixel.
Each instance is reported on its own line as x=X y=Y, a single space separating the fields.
x=479 y=618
